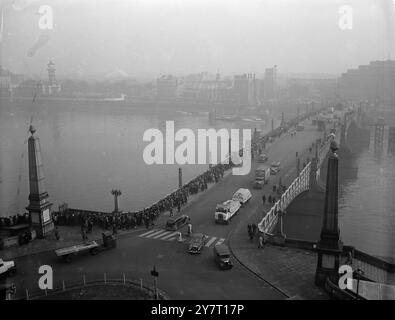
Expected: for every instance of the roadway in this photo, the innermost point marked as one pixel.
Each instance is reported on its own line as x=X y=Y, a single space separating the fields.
x=183 y=276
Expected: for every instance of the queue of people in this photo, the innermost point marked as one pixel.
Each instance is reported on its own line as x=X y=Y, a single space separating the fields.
x=146 y=217
x=14 y=220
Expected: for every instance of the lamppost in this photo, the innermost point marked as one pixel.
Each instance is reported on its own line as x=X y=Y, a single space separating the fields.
x=116 y=193
x=155 y=274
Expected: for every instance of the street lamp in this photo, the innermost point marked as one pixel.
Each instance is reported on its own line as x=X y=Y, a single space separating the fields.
x=155 y=274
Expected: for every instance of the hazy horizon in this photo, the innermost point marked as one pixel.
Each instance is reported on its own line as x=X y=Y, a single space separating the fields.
x=152 y=37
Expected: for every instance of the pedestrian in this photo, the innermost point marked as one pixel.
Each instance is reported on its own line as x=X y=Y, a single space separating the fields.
x=274 y=200
x=114 y=229
x=254 y=228
x=57 y=233
x=261 y=242
x=189 y=228
x=146 y=222
x=263 y=199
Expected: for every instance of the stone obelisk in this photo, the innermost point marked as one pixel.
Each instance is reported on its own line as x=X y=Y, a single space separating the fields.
x=39 y=205
x=330 y=247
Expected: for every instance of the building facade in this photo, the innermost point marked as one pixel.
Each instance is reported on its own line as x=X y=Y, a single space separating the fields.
x=374 y=82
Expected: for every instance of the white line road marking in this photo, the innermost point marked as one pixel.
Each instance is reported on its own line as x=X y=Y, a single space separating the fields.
x=211 y=241
x=171 y=239
x=220 y=241
x=161 y=235
x=151 y=231
x=170 y=235
x=155 y=233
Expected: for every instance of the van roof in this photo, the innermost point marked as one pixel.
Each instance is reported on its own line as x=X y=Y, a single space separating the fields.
x=226 y=204
x=222 y=249
x=172 y=219
x=242 y=190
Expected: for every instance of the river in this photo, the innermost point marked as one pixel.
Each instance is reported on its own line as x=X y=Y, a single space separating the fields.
x=89 y=151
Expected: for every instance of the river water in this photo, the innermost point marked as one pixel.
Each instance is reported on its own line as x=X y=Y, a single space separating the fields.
x=89 y=151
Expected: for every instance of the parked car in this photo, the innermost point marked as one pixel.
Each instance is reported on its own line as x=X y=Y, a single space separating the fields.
x=175 y=223
x=275 y=167
x=222 y=256
x=7 y=268
x=242 y=195
x=275 y=164
x=197 y=242
x=262 y=158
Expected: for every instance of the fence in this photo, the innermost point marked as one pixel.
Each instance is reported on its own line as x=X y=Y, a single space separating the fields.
x=88 y=281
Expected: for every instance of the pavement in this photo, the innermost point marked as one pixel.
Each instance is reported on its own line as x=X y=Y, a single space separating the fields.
x=272 y=273
x=68 y=236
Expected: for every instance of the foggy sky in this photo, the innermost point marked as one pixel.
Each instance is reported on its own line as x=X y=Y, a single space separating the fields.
x=152 y=37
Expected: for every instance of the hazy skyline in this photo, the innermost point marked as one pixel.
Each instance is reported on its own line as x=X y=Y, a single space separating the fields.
x=152 y=37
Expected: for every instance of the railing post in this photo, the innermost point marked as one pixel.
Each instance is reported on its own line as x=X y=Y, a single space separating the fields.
x=124 y=279
x=84 y=280
x=141 y=283
x=27 y=294
x=63 y=286
x=105 y=278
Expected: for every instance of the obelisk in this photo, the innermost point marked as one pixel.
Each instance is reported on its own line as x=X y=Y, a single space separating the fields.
x=39 y=206
x=330 y=247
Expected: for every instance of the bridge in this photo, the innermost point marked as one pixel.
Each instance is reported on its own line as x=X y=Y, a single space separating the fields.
x=373 y=274
x=308 y=177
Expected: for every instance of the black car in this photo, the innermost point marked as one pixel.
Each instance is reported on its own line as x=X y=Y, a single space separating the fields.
x=198 y=240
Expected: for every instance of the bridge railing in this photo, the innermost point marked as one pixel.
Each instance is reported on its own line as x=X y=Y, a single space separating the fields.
x=299 y=185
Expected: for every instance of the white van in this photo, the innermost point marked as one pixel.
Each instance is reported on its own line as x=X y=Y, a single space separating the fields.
x=225 y=211
x=242 y=195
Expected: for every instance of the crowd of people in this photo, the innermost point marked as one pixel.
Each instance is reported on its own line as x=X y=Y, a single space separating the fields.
x=14 y=220
x=128 y=220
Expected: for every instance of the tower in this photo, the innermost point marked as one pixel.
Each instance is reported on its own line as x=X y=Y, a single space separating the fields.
x=330 y=247
x=39 y=206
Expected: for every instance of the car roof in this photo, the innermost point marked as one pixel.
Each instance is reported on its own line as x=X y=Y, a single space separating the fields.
x=196 y=235
x=173 y=219
x=222 y=249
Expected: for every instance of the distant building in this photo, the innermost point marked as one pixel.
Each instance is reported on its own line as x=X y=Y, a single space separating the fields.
x=205 y=87
x=374 y=82
x=310 y=88
x=246 y=89
x=8 y=82
x=166 y=87
x=270 y=84
x=51 y=86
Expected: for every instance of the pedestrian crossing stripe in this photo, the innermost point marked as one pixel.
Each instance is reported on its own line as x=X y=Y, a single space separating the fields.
x=151 y=231
x=161 y=234
x=210 y=241
x=154 y=233
x=170 y=235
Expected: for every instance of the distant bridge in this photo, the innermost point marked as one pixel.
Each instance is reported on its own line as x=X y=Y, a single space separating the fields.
x=308 y=177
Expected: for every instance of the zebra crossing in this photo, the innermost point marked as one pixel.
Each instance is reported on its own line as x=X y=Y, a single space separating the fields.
x=161 y=234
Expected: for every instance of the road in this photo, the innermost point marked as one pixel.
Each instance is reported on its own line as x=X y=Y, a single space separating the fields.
x=183 y=276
